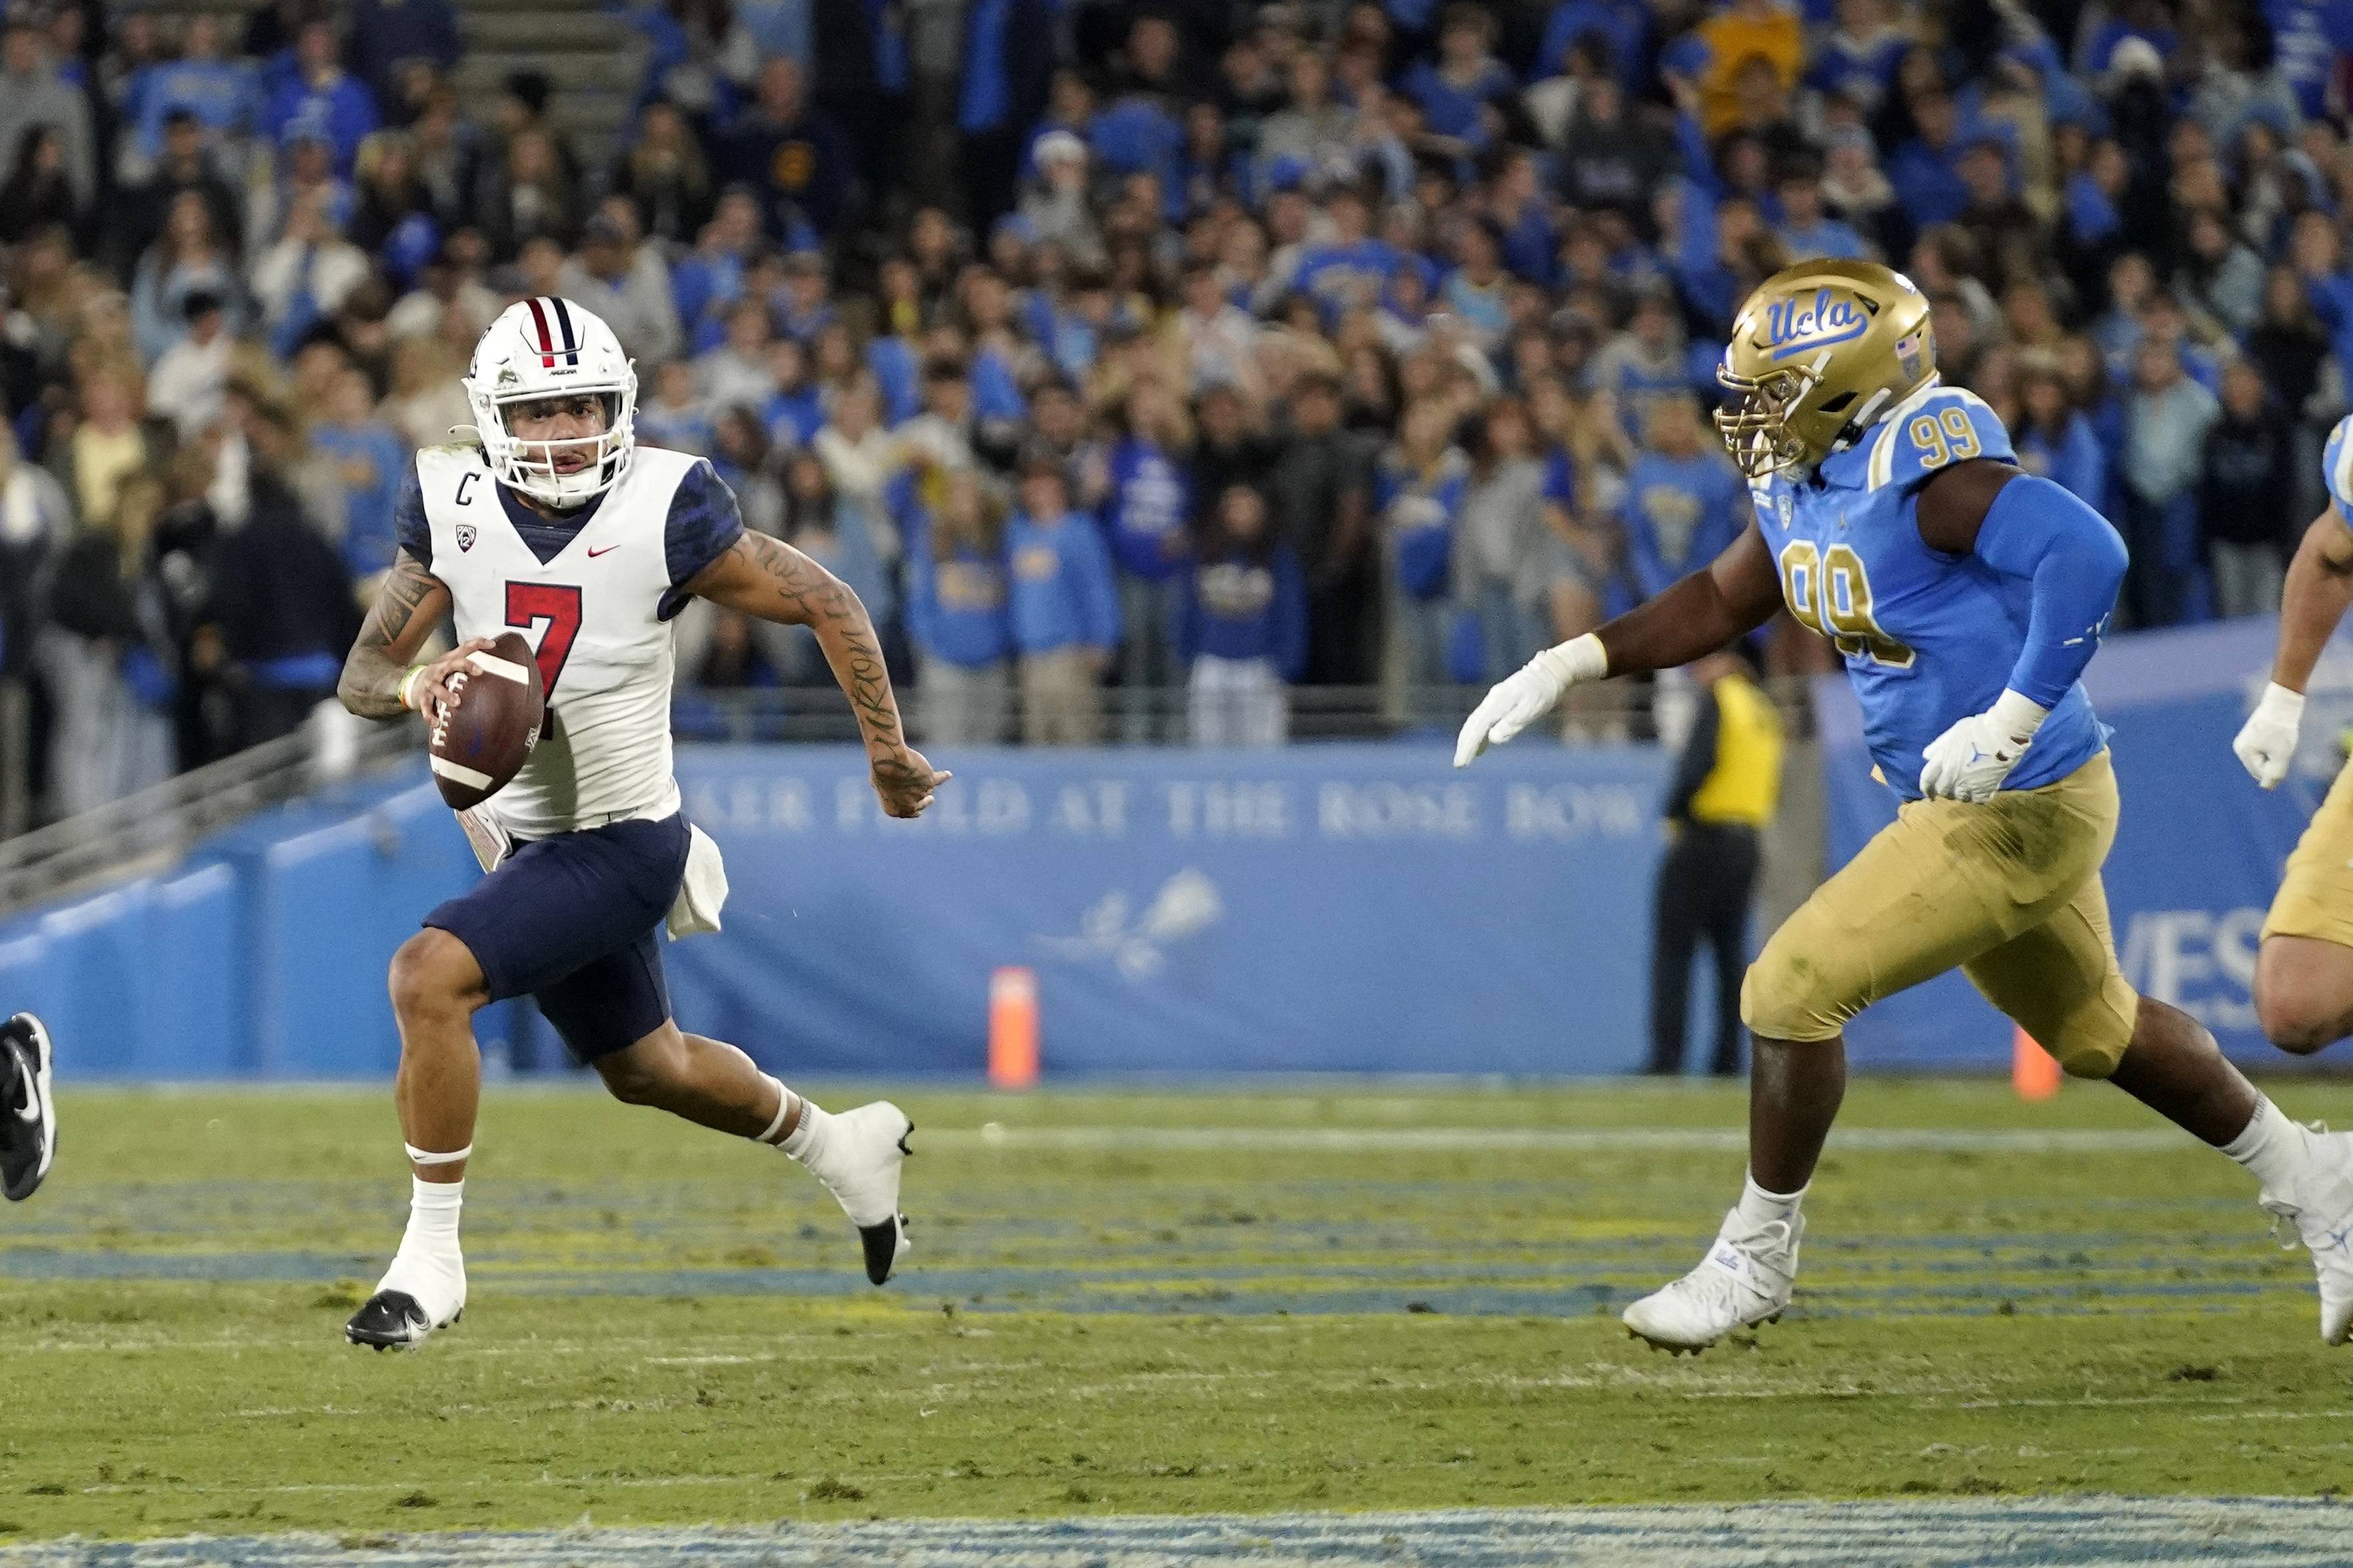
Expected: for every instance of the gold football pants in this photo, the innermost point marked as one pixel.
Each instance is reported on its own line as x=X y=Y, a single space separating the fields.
x=2009 y=892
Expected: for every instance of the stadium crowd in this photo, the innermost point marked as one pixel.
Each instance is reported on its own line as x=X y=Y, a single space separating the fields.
x=1184 y=346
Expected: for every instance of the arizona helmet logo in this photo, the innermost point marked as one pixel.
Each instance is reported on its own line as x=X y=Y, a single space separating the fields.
x=465 y=537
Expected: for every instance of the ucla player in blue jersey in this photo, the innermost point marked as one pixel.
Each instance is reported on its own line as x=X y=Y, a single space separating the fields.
x=2304 y=971
x=1966 y=597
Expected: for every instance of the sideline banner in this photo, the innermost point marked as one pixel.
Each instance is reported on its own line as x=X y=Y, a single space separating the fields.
x=1363 y=908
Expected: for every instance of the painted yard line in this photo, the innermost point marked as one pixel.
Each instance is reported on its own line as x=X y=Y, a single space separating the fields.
x=1540 y=1140
x=1993 y=1533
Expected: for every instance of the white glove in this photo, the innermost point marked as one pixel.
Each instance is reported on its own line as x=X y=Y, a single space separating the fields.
x=1525 y=695
x=1968 y=762
x=2267 y=741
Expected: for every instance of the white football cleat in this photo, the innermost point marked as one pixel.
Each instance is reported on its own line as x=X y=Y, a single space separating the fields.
x=417 y=1296
x=859 y=1165
x=2319 y=1202
x=1745 y=1279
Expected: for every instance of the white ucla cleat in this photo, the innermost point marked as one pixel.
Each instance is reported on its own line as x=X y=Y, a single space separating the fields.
x=864 y=1152
x=1745 y=1279
x=2319 y=1202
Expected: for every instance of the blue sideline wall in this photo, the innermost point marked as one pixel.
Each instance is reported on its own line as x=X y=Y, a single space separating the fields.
x=1360 y=907
x=1354 y=908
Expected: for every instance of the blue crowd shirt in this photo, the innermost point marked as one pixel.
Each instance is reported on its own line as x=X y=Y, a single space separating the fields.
x=1061 y=593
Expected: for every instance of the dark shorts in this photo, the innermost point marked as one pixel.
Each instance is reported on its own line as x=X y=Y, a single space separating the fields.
x=573 y=923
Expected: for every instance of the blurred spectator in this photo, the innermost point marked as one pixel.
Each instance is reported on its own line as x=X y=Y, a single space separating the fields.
x=214 y=93
x=792 y=154
x=281 y=605
x=1064 y=610
x=2168 y=418
x=2243 y=502
x=1144 y=517
x=139 y=212
x=370 y=458
x=386 y=34
x=1240 y=626
x=1685 y=504
x=736 y=373
x=317 y=95
x=1501 y=539
x=956 y=617
x=33 y=93
x=111 y=692
x=306 y=276
x=1321 y=487
x=1419 y=494
x=186 y=383
x=671 y=414
x=527 y=194
x=626 y=284
x=666 y=176
x=2053 y=439
x=1007 y=63
x=37 y=192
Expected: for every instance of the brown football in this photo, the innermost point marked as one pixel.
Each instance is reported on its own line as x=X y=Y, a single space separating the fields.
x=481 y=743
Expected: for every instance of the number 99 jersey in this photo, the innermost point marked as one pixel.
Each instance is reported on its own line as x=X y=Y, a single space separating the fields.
x=593 y=594
x=1930 y=639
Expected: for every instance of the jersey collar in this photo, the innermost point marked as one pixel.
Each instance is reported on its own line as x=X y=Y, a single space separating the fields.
x=544 y=538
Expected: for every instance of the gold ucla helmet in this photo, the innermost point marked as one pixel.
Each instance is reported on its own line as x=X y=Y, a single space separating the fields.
x=1818 y=352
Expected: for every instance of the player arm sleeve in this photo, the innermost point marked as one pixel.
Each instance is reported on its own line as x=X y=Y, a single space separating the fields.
x=410 y=530
x=704 y=524
x=2036 y=529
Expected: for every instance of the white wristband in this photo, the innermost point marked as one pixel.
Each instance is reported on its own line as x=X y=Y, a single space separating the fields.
x=1578 y=661
x=2019 y=716
x=2281 y=705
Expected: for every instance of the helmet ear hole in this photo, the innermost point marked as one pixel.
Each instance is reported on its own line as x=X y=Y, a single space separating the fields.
x=1838 y=405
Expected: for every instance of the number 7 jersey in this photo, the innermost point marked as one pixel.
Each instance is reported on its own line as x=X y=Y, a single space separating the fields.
x=595 y=596
x=1930 y=639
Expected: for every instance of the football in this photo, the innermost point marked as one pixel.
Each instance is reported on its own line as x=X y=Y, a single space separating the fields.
x=477 y=746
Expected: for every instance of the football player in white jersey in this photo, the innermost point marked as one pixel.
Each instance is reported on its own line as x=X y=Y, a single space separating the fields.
x=558 y=526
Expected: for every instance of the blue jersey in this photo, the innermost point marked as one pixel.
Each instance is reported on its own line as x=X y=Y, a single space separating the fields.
x=1930 y=639
x=2336 y=467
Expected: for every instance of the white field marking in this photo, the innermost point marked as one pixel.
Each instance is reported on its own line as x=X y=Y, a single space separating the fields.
x=1545 y=1140
x=1950 y=1533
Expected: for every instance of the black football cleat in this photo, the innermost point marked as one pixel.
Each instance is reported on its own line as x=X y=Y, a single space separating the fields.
x=392 y=1320
x=28 y=1116
x=885 y=1244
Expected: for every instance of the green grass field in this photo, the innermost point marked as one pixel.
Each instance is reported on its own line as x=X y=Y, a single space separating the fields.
x=1374 y=1296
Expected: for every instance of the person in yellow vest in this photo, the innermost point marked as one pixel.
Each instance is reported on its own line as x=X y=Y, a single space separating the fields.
x=1726 y=789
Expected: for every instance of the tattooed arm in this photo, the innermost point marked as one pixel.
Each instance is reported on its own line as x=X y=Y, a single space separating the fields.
x=765 y=577
x=408 y=606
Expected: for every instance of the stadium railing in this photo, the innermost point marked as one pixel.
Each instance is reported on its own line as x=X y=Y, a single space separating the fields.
x=153 y=827
x=1618 y=710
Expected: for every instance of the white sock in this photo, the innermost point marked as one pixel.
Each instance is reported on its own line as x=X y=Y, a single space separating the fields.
x=433 y=1218
x=810 y=1133
x=1759 y=1207
x=2272 y=1146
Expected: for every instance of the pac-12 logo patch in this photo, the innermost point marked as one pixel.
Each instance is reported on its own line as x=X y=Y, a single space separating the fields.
x=1793 y=326
x=465 y=537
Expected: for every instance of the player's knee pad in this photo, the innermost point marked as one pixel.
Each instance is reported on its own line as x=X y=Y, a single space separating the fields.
x=2084 y=1057
x=1787 y=996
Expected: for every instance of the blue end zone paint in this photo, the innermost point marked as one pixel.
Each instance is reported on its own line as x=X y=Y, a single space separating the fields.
x=2006 y=1533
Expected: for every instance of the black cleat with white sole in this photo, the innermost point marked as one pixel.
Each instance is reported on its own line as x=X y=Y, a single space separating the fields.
x=391 y=1320
x=28 y=1115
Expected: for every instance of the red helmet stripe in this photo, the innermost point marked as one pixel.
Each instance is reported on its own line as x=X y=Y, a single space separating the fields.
x=546 y=341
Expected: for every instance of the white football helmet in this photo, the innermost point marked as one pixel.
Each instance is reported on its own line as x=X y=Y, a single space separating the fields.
x=547 y=347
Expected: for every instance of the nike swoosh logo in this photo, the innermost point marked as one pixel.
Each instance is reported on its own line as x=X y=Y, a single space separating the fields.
x=607 y=550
